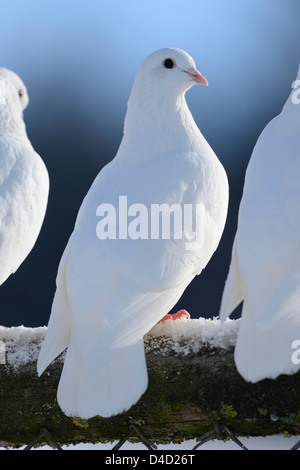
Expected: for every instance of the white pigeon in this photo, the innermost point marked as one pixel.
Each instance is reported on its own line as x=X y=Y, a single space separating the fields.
x=265 y=265
x=111 y=292
x=24 y=182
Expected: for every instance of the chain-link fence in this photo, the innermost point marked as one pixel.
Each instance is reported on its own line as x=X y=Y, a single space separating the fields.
x=218 y=431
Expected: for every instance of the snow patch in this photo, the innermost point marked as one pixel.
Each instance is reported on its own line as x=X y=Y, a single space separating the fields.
x=22 y=344
x=191 y=336
x=180 y=337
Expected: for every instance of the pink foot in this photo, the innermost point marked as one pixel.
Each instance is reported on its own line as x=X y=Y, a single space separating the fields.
x=175 y=316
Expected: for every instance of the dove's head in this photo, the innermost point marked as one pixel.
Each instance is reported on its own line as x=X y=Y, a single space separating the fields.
x=158 y=118
x=16 y=92
x=169 y=70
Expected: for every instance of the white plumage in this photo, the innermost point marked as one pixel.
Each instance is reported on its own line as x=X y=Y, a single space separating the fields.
x=111 y=292
x=24 y=182
x=265 y=265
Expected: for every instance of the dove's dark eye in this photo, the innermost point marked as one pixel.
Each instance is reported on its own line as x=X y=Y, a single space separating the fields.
x=21 y=93
x=169 y=63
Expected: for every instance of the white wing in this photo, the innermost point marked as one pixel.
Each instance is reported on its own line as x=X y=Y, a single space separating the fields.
x=24 y=187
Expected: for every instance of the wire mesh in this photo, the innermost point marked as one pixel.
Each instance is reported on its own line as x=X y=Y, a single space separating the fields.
x=218 y=431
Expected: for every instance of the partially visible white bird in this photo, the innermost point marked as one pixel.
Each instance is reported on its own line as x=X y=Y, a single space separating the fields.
x=265 y=265
x=111 y=292
x=24 y=182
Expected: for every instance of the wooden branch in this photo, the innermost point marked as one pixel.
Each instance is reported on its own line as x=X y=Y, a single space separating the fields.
x=189 y=389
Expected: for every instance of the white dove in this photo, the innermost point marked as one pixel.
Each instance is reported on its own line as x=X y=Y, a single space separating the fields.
x=265 y=265
x=111 y=292
x=24 y=181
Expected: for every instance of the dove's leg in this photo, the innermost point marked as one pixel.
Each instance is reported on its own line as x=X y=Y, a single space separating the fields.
x=180 y=314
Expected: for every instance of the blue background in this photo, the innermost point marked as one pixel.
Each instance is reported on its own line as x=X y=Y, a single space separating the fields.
x=79 y=59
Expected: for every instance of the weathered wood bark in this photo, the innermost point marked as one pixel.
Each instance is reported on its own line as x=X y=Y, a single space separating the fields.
x=186 y=395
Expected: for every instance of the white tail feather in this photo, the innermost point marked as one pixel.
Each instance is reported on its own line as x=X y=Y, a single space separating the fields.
x=233 y=291
x=106 y=391
x=58 y=332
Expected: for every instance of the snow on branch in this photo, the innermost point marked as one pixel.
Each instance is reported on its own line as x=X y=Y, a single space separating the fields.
x=181 y=337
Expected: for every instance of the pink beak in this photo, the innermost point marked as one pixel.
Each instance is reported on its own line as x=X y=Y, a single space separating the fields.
x=196 y=76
